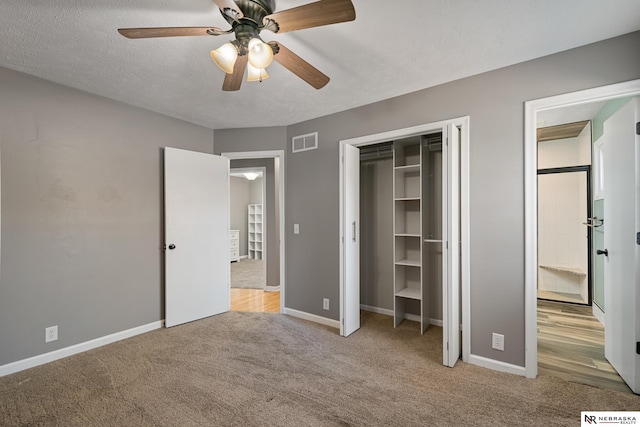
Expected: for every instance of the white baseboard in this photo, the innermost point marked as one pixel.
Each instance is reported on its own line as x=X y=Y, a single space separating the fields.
x=435 y=322
x=272 y=288
x=41 y=359
x=244 y=256
x=496 y=365
x=312 y=317
x=388 y=312
x=598 y=314
x=378 y=310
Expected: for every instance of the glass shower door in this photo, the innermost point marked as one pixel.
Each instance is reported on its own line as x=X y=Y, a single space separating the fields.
x=564 y=233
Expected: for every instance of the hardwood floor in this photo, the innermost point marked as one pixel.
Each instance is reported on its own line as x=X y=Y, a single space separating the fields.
x=255 y=301
x=571 y=346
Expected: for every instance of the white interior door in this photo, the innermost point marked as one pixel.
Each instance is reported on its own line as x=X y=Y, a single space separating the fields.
x=622 y=293
x=197 y=268
x=451 y=262
x=351 y=288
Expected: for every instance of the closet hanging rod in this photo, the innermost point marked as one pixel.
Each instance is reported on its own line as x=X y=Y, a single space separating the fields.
x=433 y=146
x=433 y=241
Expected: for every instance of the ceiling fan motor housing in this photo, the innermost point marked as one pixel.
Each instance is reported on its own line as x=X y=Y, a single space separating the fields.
x=253 y=10
x=250 y=25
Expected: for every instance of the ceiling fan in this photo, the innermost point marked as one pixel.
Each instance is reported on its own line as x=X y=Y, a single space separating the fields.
x=248 y=51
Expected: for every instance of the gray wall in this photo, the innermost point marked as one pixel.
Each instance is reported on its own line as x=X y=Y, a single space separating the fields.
x=376 y=233
x=240 y=197
x=432 y=229
x=495 y=103
x=82 y=226
x=255 y=189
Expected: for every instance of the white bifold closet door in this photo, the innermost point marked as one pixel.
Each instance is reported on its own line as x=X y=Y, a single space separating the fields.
x=351 y=298
x=197 y=267
x=451 y=247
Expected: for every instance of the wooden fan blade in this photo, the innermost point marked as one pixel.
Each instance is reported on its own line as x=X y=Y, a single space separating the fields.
x=234 y=81
x=143 y=33
x=323 y=12
x=301 y=68
x=230 y=8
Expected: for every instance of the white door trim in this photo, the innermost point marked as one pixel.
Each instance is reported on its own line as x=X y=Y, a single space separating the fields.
x=279 y=156
x=463 y=123
x=531 y=109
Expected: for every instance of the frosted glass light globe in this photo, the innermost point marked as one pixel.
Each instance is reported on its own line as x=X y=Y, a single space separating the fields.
x=225 y=57
x=260 y=53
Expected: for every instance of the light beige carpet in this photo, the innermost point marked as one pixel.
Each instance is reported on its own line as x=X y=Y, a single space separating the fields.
x=256 y=369
x=248 y=274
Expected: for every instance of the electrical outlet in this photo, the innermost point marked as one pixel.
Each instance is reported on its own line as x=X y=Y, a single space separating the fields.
x=325 y=303
x=296 y=228
x=51 y=333
x=497 y=342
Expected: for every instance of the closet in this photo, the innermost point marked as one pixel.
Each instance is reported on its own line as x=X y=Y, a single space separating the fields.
x=401 y=209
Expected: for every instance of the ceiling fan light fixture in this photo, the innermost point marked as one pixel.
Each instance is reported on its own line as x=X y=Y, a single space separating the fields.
x=256 y=74
x=225 y=57
x=260 y=53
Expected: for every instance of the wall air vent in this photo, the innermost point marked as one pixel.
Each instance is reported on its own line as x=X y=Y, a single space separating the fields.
x=304 y=142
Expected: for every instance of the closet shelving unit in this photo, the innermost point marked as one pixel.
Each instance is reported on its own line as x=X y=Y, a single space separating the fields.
x=407 y=228
x=255 y=233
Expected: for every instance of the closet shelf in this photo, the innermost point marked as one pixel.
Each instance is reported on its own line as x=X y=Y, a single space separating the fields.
x=408 y=168
x=409 y=262
x=410 y=293
x=405 y=199
x=407 y=229
x=570 y=270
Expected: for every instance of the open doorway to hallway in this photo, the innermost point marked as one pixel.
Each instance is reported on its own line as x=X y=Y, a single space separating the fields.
x=257 y=275
x=248 y=219
x=570 y=337
x=582 y=343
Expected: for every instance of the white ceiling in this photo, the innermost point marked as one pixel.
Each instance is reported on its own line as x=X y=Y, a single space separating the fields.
x=392 y=48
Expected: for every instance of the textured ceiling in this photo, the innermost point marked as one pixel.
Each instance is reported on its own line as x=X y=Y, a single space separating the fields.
x=392 y=48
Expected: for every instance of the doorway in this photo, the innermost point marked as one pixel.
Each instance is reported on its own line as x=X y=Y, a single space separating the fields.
x=532 y=111
x=263 y=240
x=248 y=222
x=455 y=271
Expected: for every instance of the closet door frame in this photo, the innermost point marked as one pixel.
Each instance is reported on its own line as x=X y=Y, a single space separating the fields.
x=462 y=123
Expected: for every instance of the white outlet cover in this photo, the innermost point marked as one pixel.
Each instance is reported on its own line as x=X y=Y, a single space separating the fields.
x=51 y=334
x=497 y=341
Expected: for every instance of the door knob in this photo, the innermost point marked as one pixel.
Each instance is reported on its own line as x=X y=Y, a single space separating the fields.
x=604 y=252
x=172 y=246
